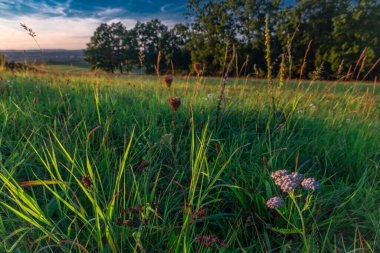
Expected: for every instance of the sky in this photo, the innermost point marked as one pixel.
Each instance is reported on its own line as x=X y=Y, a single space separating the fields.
x=69 y=24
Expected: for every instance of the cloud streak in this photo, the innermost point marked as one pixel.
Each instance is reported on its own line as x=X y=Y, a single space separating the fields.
x=69 y=24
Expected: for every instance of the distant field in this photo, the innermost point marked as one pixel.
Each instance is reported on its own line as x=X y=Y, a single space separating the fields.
x=65 y=69
x=95 y=162
x=73 y=57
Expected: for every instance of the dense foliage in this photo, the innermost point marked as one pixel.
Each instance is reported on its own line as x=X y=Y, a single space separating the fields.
x=332 y=35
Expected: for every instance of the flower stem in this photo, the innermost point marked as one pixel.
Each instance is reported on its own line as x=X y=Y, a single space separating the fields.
x=293 y=198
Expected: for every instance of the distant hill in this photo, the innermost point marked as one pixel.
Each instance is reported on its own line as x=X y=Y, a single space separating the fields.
x=59 y=56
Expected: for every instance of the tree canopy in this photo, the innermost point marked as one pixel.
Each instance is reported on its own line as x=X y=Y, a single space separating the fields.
x=337 y=36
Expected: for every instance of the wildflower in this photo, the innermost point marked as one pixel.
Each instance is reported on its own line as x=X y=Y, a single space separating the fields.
x=310 y=184
x=86 y=180
x=128 y=223
x=168 y=80
x=277 y=175
x=288 y=183
x=175 y=103
x=297 y=177
x=197 y=68
x=199 y=215
x=210 y=241
x=275 y=202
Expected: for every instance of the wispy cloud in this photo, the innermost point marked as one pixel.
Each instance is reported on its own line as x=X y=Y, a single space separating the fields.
x=69 y=24
x=165 y=7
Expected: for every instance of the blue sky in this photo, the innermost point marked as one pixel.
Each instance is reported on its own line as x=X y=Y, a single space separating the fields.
x=69 y=23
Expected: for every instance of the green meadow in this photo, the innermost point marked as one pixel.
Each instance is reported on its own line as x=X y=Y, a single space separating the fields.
x=102 y=163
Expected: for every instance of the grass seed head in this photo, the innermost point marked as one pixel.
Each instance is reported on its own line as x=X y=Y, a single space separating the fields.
x=175 y=103
x=168 y=80
x=197 y=68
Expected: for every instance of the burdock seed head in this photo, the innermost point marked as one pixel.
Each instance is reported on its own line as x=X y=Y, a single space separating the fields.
x=168 y=80
x=175 y=103
x=86 y=180
x=275 y=202
x=310 y=184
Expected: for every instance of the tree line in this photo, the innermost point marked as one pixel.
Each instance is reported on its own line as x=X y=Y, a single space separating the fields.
x=338 y=39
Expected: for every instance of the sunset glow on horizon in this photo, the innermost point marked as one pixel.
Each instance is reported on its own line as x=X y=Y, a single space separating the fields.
x=70 y=24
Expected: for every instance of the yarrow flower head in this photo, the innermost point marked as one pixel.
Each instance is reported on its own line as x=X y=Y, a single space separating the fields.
x=288 y=183
x=278 y=174
x=275 y=202
x=297 y=177
x=310 y=184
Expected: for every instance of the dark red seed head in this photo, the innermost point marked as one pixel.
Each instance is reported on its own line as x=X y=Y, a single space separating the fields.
x=86 y=180
x=197 y=68
x=168 y=80
x=175 y=103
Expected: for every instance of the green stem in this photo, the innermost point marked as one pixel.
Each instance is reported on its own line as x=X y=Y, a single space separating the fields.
x=292 y=196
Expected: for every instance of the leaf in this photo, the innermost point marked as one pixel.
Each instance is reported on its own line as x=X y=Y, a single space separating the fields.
x=307 y=203
x=287 y=231
x=40 y=182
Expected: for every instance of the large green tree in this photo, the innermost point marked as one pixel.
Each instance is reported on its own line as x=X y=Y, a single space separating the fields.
x=106 y=48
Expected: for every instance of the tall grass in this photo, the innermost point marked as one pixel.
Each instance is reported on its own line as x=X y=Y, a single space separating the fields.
x=102 y=127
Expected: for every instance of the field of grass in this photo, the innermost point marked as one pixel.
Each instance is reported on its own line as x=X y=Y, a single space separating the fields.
x=102 y=164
